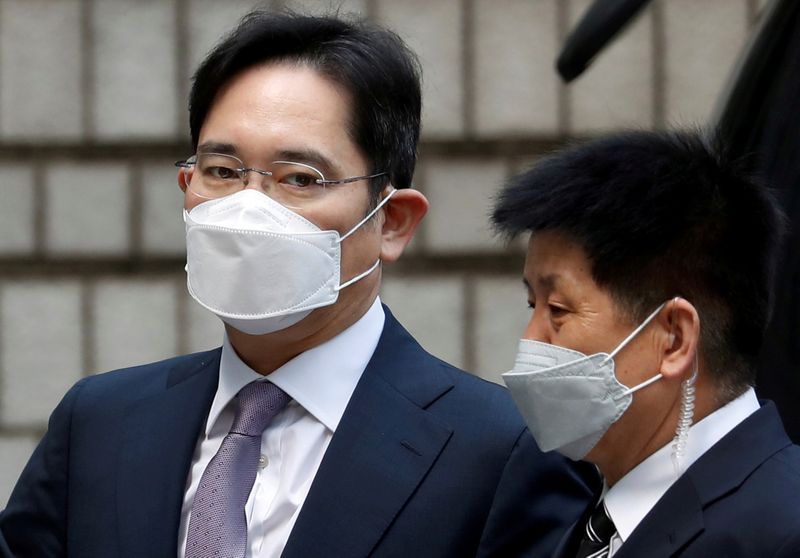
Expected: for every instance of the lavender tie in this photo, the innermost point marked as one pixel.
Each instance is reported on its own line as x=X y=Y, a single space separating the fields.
x=218 y=527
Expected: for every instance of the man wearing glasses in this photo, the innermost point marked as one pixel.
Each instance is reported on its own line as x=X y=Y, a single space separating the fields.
x=320 y=428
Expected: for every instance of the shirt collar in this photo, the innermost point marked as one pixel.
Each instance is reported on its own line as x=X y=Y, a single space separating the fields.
x=635 y=494
x=321 y=379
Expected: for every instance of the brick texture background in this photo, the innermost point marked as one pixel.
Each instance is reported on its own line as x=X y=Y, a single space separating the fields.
x=93 y=112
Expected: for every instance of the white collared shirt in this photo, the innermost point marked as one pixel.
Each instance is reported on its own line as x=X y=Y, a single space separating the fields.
x=635 y=494
x=320 y=382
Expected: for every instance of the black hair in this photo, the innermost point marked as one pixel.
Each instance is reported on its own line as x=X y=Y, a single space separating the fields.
x=661 y=214
x=373 y=64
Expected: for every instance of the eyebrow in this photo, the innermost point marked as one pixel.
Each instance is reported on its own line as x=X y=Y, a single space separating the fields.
x=217 y=147
x=548 y=281
x=308 y=156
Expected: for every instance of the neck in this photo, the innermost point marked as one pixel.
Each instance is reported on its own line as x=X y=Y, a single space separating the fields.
x=266 y=353
x=633 y=444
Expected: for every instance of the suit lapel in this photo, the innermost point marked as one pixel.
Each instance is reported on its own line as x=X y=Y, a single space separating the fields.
x=568 y=545
x=566 y=548
x=677 y=518
x=381 y=451
x=672 y=524
x=159 y=439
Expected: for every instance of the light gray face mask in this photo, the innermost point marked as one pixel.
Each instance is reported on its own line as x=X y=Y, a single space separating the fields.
x=569 y=399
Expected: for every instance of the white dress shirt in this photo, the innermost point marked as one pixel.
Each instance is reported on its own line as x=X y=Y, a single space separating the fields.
x=320 y=382
x=635 y=494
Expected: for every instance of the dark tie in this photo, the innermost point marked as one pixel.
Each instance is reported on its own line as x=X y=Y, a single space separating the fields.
x=597 y=534
x=218 y=526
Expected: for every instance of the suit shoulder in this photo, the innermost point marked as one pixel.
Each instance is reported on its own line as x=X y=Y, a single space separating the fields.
x=486 y=400
x=433 y=383
x=788 y=459
x=134 y=381
x=767 y=498
x=768 y=495
x=782 y=472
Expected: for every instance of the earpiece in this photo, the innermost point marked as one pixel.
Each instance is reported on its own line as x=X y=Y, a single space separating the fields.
x=671 y=339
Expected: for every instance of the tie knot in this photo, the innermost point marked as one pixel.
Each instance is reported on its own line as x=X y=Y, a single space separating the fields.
x=597 y=534
x=259 y=402
x=600 y=526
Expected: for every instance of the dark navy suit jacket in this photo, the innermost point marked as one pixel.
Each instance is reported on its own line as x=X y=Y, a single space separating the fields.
x=741 y=499
x=427 y=461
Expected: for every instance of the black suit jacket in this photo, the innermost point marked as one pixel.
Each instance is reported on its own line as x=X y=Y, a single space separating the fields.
x=426 y=461
x=741 y=499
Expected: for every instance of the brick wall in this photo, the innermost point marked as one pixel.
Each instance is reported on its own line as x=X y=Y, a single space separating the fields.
x=93 y=112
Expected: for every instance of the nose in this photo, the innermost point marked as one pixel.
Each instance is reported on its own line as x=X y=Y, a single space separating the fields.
x=537 y=328
x=259 y=183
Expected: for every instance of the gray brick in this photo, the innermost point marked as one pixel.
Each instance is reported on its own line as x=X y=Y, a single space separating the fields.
x=87 y=209
x=616 y=91
x=16 y=209
x=41 y=341
x=16 y=451
x=501 y=315
x=703 y=41
x=40 y=69
x=433 y=31
x=205 y=330
x=162 y=210
x=432 y=309
x=208 y=21
x=135 y=93
x=516 y=89
x=135 y=322
x=460 y=191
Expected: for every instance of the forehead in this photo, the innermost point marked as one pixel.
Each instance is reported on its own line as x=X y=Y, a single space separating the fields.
x=281 y=107
x=553 y=259
x=555 y=264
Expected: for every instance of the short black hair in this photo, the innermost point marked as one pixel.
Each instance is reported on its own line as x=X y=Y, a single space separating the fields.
x=661 y=214
x=373 y=64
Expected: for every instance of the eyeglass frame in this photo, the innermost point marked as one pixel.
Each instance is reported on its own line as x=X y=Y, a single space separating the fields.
x=244 y=171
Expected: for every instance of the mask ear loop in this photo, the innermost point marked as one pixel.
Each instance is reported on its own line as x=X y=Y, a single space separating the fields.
x=369 y=215
x=633 y=334
x=357 y=277
x=627 y=340
x=354 y=229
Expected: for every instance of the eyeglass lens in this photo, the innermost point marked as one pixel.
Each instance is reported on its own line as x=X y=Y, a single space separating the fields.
x=289 y=183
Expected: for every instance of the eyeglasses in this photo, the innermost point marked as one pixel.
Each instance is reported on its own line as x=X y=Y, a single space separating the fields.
x=289 y=183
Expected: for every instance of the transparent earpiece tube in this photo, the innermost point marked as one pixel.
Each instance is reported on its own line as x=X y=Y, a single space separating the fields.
x=685 y=419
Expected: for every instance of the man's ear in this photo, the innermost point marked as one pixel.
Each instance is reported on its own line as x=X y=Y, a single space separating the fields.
x=184 y=177
x=402 y=213
x=681 y=328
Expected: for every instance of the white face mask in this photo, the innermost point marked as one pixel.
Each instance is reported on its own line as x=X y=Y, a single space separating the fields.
x=258 y=265
x=568 y=399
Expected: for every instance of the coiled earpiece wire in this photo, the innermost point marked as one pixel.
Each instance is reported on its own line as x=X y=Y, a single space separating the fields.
x=686 y=413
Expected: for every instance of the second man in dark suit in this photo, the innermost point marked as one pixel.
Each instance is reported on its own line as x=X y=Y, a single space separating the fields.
x=650 y=270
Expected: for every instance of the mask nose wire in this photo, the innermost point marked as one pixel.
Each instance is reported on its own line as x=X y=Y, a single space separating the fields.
x=634 y=333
